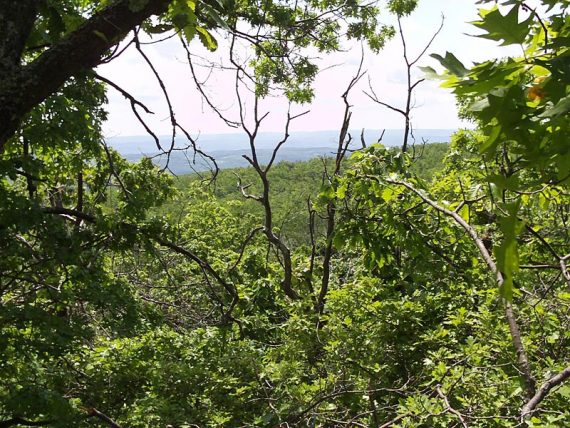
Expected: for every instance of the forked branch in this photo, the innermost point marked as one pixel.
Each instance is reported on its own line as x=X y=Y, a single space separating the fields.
x=283 y=251
x=406 y=111
x=344 y=140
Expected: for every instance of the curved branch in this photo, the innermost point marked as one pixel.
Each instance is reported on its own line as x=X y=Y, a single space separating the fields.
x=103 y=417
x=451 y=409
x=21 y=421
x=204 y=265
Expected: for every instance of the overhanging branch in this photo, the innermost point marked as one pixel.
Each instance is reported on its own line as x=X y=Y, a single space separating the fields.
x=81 y=50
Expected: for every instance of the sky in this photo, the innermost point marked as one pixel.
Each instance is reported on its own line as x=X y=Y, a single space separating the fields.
x=435 y=107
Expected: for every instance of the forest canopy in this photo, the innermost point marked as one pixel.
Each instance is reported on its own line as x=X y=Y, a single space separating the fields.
x=424 y=285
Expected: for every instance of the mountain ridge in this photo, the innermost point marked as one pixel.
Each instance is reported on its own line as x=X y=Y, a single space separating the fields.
x=228 y=149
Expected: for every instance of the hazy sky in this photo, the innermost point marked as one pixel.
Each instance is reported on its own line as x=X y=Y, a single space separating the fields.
x=386 y=71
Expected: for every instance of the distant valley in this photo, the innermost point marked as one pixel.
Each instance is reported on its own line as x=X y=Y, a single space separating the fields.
x=228 y=149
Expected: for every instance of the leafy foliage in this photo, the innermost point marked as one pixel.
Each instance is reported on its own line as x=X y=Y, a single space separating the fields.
x=131 y=299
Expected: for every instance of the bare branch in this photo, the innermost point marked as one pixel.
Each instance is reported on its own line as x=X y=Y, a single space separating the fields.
x=243 y=188
x=99 y=415
x=243 y=247
x=124 y=93
x=430 y=42
x=285 y=136
x=372 y=95
x=162 y=88
x=134 y=103
x=344 y=140
x=200 y=88
x=204 y=265
x=406 y=111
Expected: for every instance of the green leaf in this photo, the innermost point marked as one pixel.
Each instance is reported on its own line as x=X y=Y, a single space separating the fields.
x=388 y=194
x=507 y=252
x=491 y=141
x=431 y=74
x=503 y=28
x=213 y=14
x=561 y=108
x=341 y=191
x=451 y=63
x=207 y=39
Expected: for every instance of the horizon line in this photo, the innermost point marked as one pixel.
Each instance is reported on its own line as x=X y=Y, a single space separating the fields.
x=290 y=133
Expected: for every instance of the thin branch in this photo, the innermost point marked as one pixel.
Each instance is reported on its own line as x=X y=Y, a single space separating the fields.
x=451 y=409
x=541 y=22
x=430 y=42
x=204 y=265
x=162 y=87
x=134 y=103
x=376 y=99
x=21 y=421
x=123 y=92
x=393 y=421
x=285 y=136
x=200 y=88
x=100 y=415
x=406 y=111
x=551 y=250
x=281 y=248
x=243 y=247
x=173 y=121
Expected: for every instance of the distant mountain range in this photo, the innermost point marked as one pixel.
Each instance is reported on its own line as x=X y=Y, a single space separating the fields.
x=228 y=149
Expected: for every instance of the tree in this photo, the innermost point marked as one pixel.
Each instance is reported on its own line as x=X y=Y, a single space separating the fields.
x=46 y=43
x=66 y=46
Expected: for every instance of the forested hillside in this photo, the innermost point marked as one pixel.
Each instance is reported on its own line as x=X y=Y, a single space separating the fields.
x=293 y=184
x=423 y=286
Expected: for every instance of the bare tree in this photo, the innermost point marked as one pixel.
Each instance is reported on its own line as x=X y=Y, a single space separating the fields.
x=406 y=111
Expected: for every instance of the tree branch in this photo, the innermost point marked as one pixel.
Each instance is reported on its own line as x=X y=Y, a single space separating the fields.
x=543 y=391
x=21 y=421
x=204 y=265
x=16 y=23
x=344 y=140
x=451 y=409
x=99 y=415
